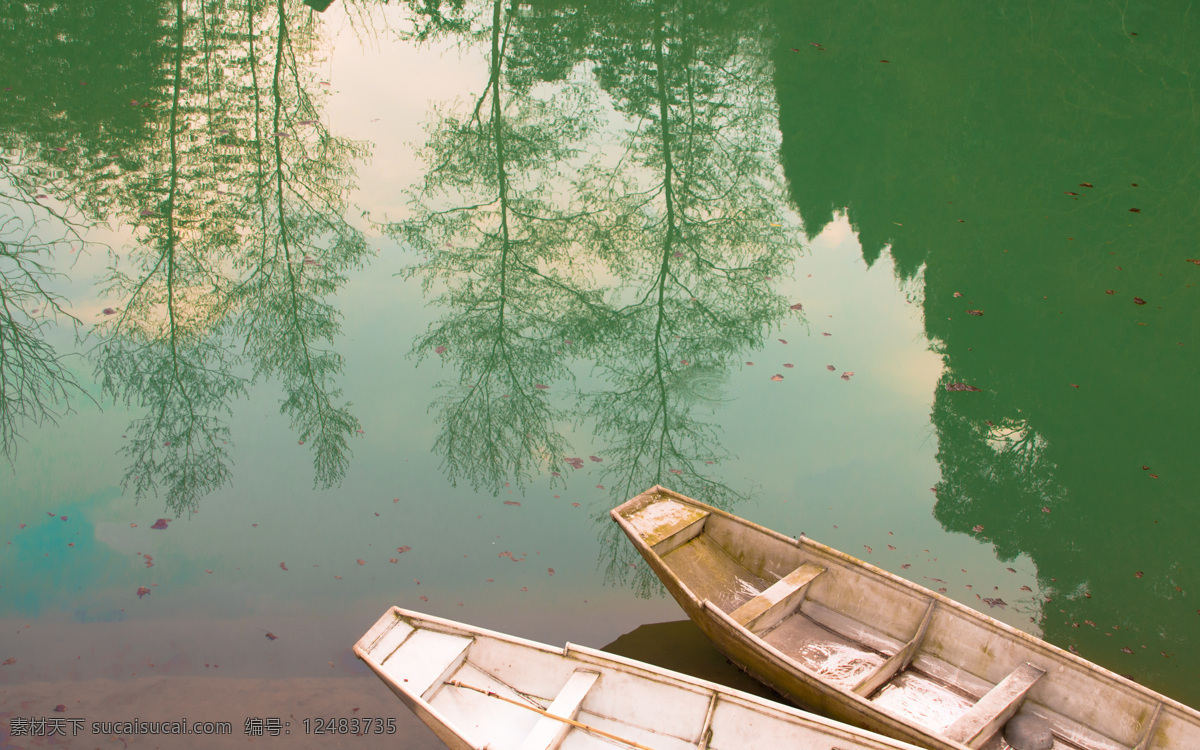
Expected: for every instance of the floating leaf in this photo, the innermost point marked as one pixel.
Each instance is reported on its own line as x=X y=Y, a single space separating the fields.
x=675 y=471
x=439 y=349
x=161 y=523
x=283 y=566
x=424 y=598
x=777 y=377
x=868 y=548
x=576 y=463
x=796 y=306
x=831 y=368
x=511 y=502
x=960 y=387
x=1045 y=509
x=826 y=334
x=1135 y=210
x=362 y=561
x=393 y=560
x=550 y=571
x=978 y=528
x=1127 y=649
x=109 y=311
x=541 y=387
x=847 y=375
x=906 y=566
x=1138 y=574
x=783 y=341
x=575 y=505
x=978 y=313
x=1026 y=588
x=1110 y=291
x=1068 y=192
x=1139 y=301
x=596 y=459
x=403 y=549
x=1193 y=260
x=958 y=294
x=142 y=591
x=997 y=602
x=1086 y=184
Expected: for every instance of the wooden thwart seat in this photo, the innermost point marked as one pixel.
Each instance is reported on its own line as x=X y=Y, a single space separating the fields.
x=548 y=733
x=898 y=661
x=772 y=605
x=985 y=718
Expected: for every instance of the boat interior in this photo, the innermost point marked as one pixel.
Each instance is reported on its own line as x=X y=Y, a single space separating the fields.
x=496 y=692
x=910 y=653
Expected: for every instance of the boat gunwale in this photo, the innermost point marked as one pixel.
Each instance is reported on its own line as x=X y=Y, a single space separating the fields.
x=588 y=656
x=856 y=566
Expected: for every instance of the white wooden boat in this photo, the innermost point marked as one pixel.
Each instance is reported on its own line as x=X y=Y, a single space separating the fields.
x=479 y=689
x=854 y=642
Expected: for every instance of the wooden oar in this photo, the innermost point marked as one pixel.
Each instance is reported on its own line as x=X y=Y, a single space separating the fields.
x=563 y=719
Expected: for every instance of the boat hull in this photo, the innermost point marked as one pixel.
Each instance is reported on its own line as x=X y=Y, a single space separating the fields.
x=839 y=636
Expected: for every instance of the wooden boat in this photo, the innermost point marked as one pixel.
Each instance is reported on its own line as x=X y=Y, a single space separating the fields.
x=480 y=689
x=856 y=643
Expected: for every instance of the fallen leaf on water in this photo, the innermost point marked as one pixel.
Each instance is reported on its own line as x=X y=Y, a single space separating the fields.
x=846 y=375
x=783 y=341
x=511 y=502
x=975 y=312
x=1045 y=509
x=576 y=463
x=60 y=707
x=906 y=566
x=541 y=387
x=1138 y=574
x=751 y=364
x=831 y=368
x=361 y=561
x=675 y=471
x=272 y=636
x=424 y=598
x=997 y=602
x=799 y=306
x=524 y=588
x=891 y=547
x=161 y=523
x=977 y=528
x=1139 y=301
x=403 y=549
x=393 y=560
x=576 y=505
x=826 y=334
x=439 y=349
x=142 y=591
x=596 y=459
x=1068 y=192
x=1011 y=570
x=109 y=311
x=868 y=548
x=9 y=660
x=958 y=294
x=283 y=566
x=777 y=377
x=1026 y=588
x=206 y=570
x=1135 y=210
x=788 y=365
x=550 y=571
x=1193 y=260
x=1127 y=649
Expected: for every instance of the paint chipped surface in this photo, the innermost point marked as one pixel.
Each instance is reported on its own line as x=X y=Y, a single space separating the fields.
x=838 y=663
x=660 y=519
x=923 y=701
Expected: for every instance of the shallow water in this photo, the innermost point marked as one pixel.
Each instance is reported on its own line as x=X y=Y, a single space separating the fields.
x=342 y=395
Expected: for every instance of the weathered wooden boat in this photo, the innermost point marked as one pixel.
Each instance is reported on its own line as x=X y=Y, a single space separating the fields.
x=479 y=689
x=856 y=643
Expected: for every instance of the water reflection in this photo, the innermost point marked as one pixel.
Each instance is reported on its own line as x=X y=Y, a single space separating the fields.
x=1052 y=209
x=658 y=177
x=237 y=194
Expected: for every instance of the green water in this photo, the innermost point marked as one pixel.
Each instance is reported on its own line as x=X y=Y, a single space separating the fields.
x=384 y=307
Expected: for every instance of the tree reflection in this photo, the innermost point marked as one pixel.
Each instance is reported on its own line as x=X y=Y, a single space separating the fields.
x=1013 y=190
x=36 y=384
x=529 y=201
x=241 y=236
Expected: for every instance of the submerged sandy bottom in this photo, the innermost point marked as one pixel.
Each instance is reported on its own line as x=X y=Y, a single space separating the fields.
x=213 y=699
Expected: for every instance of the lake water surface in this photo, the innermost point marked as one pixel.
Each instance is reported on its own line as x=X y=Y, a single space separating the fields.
x=302 y=316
